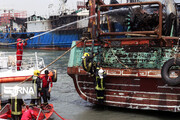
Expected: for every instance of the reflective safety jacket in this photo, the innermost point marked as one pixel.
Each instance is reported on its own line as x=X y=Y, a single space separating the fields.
x=28 y=115
x=16 y=105
x=99 y=81
x=87 y=63
x=36 y=81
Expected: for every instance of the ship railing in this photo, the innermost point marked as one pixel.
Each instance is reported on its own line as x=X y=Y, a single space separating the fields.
x=5 y=109
x=41 y=114
x=103 y=8
x=32 y=62
x=8 y=60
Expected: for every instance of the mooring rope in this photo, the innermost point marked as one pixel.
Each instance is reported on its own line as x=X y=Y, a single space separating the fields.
x=50 y=30
x=53 y=61
x=50 y=63
x=47 y=67
x=59 y=115
x=116 y=56
x=63 y=26
x=60 y=56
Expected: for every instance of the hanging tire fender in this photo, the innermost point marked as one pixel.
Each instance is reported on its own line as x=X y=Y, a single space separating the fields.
x=165 y=72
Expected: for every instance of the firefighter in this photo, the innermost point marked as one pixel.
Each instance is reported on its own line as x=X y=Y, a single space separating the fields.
x=36 y=80
x=46 y=89
x=99 y=83
x=19 y=52
x=29 y=114
x=16 y=107
x=87 y=63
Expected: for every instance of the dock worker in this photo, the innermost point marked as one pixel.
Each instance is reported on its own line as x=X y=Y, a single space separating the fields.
x=16 y=107
x=19 y=52
x=99 y=83
x=46 y=88
x=88 y=64
x=29 y=114
x=36 y=81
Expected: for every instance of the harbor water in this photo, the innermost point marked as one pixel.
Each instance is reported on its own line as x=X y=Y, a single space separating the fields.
x=70 y=105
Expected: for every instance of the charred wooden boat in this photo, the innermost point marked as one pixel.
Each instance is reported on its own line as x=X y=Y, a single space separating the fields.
x=139 y=52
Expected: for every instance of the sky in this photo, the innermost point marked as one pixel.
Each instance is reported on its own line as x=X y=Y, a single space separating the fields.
x=40 y=7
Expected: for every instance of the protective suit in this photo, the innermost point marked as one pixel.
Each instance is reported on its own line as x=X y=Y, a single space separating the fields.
x=19 y=52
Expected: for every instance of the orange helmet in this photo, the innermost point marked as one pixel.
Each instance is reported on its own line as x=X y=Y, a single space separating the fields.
x=50 y=74
x=19 y=39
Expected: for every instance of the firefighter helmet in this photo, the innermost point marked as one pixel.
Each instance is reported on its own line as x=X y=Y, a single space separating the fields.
x=36 y=72
x=85 y=54
x=19 y=39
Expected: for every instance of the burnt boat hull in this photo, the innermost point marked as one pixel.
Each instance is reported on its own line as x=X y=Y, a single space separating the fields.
x=138 y=87
x=140 y=62
x=135 y=89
